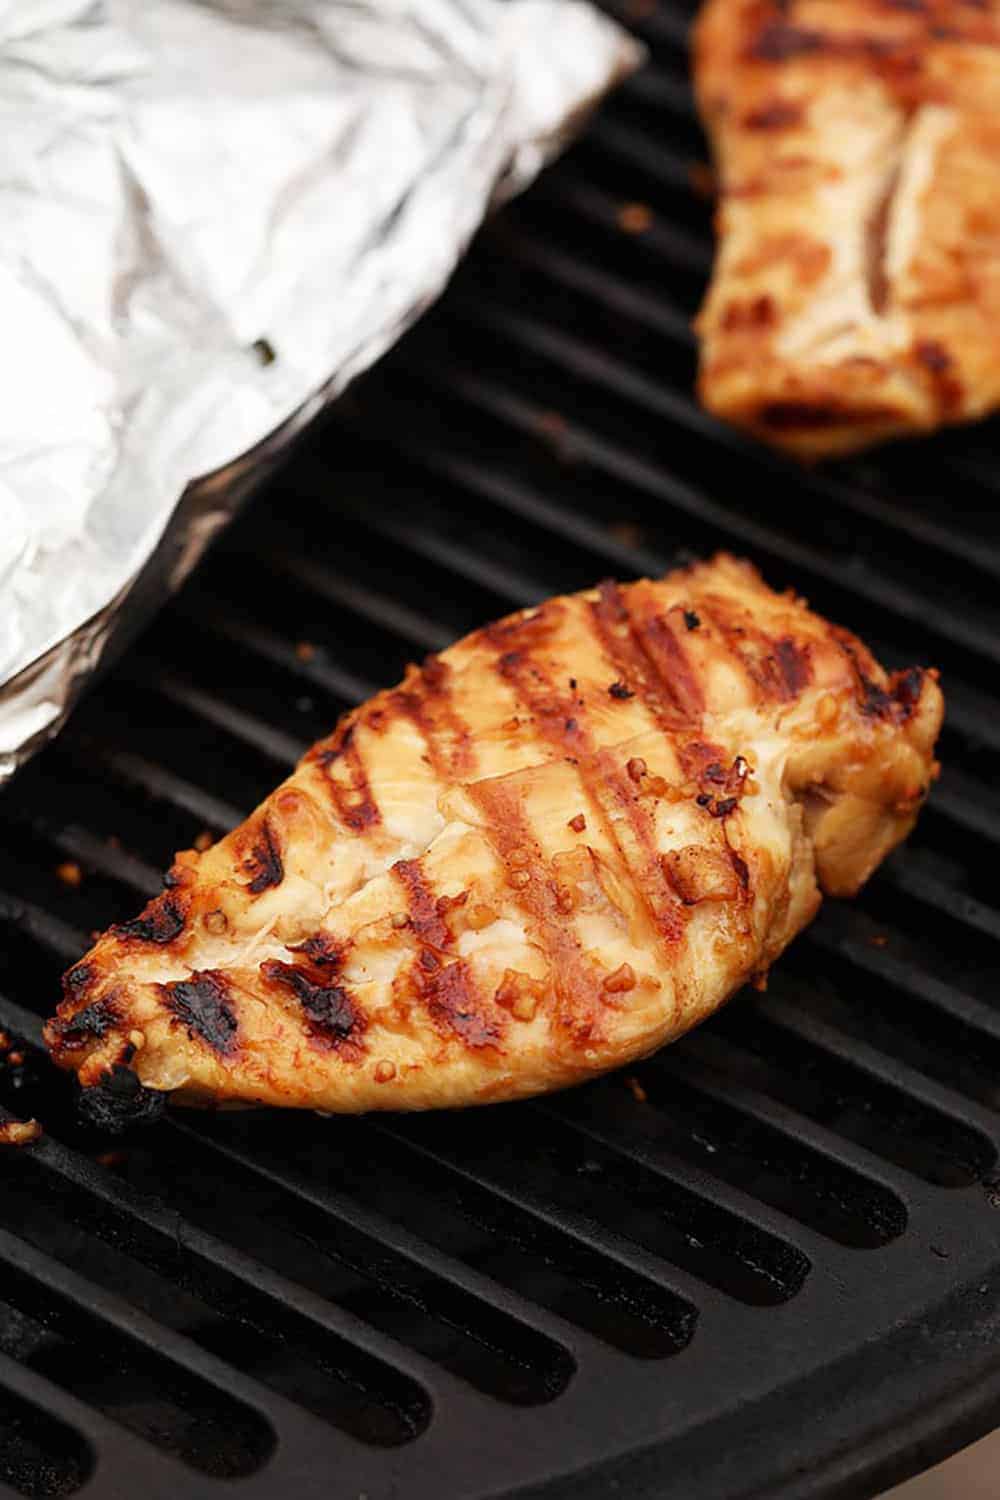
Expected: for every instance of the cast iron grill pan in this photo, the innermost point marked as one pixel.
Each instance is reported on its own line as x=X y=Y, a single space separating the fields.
x=767 y=1263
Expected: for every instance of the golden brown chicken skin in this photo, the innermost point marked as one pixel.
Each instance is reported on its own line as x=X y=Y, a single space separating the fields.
x=551 y=849
x=856 y=291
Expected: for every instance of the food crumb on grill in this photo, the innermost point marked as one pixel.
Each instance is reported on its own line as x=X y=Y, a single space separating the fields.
x=19 y=1132
x=5 y=1042
x=626 y=532
x=70 y=874
x=110 y=1158
x=203 y=841
x=635 y=218
x=636 y=1089
x=879 y=940
x=16 y=1059
x=305 y=650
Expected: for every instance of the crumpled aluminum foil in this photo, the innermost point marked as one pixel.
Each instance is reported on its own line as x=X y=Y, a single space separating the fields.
x=213 y=215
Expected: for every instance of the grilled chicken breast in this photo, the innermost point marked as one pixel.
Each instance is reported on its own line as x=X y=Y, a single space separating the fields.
x=553 y=848
x=856 y=293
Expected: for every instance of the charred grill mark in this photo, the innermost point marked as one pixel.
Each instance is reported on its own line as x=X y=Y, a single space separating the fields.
x=759 y=312
x=907 y=685
x=322 y=951
x=264 y=861
x=655 y=637
x=455 y=1008
x=779 y=669
x=353 y=799
x=654 y=891
x=780 y=40
x=91 y=1024
x=794 y=665
x=566 y=733
x=898 y=699
x=427 y=701
x=651 y=659
x=575 y=986
x=328 y=754
x=78 y=979
x=202 y=1005
x=425 y=918
x=524 y=632
x=876 y=703
x=161 y=921
x=779 y=114
x=435 y=673
x=333 y=1020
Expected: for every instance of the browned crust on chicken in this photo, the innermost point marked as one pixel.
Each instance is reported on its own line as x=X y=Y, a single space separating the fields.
x=856 y=291
x=556 y=846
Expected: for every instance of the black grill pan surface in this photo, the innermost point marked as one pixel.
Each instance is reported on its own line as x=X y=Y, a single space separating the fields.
x=764 y=1264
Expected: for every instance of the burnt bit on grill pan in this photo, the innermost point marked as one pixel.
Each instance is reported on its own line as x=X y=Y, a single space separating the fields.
x=119 y=1102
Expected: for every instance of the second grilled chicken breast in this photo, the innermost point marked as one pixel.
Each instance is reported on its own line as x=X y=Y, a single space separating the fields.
x=553 y=848
x=856 y=292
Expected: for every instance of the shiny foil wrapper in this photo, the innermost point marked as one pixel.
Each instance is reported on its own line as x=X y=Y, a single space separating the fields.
x=213 y=215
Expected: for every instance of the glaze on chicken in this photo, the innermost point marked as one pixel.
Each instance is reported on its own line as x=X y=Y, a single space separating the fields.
x=856 y=292
x=553 y=848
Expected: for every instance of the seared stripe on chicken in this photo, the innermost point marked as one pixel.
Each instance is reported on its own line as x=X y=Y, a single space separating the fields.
x=553 y=848
x=856 y=291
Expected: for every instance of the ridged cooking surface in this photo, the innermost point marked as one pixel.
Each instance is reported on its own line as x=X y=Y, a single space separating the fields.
x=460 y=1306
